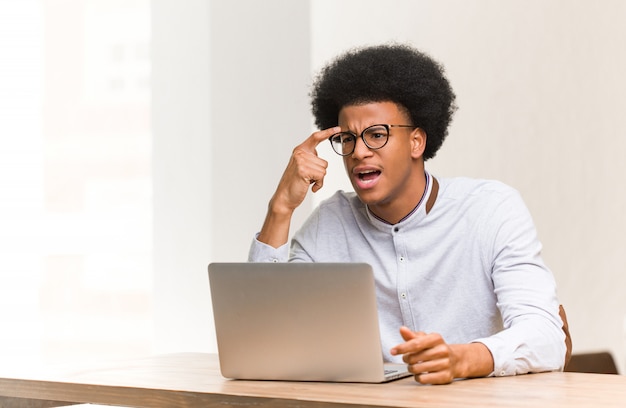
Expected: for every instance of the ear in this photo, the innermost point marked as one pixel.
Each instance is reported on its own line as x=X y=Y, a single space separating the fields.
x=418 y=143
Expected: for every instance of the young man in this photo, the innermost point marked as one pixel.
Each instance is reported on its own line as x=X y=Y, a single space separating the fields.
x=461 y=286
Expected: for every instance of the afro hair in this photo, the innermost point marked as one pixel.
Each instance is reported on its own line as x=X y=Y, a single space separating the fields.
x=393 y=73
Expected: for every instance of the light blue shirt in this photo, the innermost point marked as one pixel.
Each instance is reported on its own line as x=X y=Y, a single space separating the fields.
x=470 y=269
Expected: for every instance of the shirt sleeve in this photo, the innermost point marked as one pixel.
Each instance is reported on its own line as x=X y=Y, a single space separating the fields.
x=532 y=339
x=297 y=250
x=261 y=252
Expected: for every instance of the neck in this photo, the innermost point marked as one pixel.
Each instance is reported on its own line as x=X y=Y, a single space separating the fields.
x=395 y=211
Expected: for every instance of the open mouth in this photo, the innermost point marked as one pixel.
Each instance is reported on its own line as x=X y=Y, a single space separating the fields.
x=367 y=179
x=369 y=175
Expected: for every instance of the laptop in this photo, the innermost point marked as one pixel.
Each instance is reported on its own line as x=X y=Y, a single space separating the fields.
x=298 y=322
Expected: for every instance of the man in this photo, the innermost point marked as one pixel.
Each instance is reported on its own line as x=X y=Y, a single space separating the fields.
x=461 y=287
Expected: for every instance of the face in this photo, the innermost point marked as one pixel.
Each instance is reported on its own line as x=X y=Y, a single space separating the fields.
x=390 y=180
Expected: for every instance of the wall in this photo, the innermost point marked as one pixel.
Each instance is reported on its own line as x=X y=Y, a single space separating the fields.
x=229 y=103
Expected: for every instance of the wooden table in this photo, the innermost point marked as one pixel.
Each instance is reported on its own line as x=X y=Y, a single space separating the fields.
x=193 y=379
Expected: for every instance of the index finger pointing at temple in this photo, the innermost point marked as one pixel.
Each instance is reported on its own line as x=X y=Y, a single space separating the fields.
x=318 y=137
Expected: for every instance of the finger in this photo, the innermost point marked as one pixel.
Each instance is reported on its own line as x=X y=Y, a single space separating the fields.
x=438 y=377
x=317 y=184
x=317 y=166
x=318 y=137
x=310 y=167
x=411 y=344
x=407 y=334
x=428 y=354
x=430 y=369
x=429 y=365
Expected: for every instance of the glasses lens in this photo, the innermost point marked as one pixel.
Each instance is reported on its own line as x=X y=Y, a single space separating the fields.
x=343 y=143
x=376 y=136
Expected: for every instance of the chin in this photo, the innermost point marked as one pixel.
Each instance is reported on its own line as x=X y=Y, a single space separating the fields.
x=368 y=198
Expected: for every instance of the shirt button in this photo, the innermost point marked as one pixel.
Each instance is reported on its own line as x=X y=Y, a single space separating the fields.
x=275 y=260
x=396 y=229
x=401 y=259
x=403 y=295
x=502 y=373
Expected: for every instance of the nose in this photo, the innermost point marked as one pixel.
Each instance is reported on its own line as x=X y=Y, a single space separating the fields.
x=360 y=149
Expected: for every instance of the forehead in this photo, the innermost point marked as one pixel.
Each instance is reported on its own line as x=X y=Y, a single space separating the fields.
x=371 y=113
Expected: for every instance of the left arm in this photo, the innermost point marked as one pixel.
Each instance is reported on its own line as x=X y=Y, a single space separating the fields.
x=532 y=339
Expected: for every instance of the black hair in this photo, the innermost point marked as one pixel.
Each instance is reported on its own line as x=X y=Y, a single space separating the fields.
x=393 y=73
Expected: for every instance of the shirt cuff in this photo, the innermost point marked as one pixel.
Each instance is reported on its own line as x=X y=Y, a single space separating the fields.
x=261 y=252
x=500 y=367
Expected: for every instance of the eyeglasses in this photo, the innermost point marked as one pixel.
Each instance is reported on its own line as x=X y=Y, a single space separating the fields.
x=374 y=137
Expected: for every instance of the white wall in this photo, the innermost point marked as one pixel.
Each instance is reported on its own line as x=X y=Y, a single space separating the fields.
x=541 y=96
x=229 y=103
x=181 y=173
x=260 y=69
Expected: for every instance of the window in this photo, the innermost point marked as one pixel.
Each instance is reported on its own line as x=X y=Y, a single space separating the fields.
x=75 y=177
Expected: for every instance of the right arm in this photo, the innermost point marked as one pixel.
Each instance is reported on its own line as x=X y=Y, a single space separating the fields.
x=305 y=168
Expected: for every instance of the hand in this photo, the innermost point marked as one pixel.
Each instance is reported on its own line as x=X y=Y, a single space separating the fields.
x=427 y=356
x=433 y=361
x=305 y=168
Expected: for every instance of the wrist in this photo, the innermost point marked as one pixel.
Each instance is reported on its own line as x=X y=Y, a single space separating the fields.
x=472 y=360
x=275 y=230
x=278 y=209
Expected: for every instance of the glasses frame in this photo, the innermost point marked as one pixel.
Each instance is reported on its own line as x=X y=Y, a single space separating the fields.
x=362 y=136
